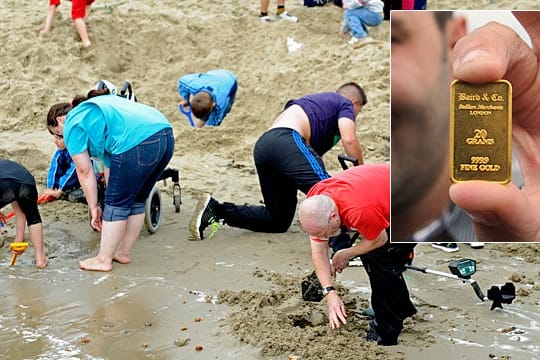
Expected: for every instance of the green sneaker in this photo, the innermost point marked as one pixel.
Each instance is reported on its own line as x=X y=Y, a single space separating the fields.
x=202 y=218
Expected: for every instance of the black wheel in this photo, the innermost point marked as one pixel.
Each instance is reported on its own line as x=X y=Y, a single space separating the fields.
x=177 y=197
x=152 y=211
x=177 y=203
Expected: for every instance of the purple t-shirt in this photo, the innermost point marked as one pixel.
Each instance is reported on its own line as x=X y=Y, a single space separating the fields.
x=323 y=111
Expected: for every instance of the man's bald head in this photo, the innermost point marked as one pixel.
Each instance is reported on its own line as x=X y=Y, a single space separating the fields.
x=314 y=213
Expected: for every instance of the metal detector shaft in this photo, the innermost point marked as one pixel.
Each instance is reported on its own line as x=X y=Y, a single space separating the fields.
x=473 y=282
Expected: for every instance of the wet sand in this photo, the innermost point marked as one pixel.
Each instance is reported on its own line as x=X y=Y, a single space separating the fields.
x=237 y=296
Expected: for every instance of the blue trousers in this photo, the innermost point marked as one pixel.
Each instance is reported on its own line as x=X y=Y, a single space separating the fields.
x=357 y=19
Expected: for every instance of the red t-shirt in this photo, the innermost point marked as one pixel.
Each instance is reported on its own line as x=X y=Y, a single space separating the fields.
x=78 y=7
x=362 y=195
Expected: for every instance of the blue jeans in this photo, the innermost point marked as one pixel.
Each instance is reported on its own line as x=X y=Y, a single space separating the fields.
x=134 y=173
x=357 y=19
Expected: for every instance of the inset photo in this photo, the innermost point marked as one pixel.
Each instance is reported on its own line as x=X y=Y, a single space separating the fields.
x=464 y=133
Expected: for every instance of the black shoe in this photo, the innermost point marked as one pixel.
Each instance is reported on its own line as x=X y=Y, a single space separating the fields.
x=385 y=342
x=372 y=332
x=373 y=335
x=369 y=312
x=202 y=218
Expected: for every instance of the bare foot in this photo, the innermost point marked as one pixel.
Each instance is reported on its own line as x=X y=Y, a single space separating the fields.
x=93 y=264
x=122 y=259
x=86 y=44
x=42 y=262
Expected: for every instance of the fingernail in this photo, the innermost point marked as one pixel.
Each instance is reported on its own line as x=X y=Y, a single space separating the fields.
x=474 y=55
x=471 y=56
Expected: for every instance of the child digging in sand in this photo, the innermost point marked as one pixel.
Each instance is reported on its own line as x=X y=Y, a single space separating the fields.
x=80 y=9
x=18 y=188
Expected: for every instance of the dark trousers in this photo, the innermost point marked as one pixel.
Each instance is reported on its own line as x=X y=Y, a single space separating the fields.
x=285 y=164
x=389 y=295
x=25 y=195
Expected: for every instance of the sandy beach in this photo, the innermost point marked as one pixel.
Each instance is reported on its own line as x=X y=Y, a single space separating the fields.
x=236 y=296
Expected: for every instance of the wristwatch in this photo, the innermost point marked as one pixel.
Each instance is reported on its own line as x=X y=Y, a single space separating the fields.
x=327 y=289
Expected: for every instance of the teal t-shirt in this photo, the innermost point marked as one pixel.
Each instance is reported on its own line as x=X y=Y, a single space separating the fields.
x=110 y=124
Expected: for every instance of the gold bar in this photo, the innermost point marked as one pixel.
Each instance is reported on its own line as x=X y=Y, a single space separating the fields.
x=481 y=131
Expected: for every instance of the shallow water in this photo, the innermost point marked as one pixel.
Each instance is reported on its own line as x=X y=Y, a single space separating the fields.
x=144 y=311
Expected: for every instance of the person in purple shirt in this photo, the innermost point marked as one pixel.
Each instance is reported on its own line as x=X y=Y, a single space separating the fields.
x=288 y=158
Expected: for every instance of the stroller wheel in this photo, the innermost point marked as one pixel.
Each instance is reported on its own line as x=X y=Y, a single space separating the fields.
x=177 y=203
x=152 y=211
x=177 y=197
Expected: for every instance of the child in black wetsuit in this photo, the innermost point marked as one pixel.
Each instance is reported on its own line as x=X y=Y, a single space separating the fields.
x=18 y=188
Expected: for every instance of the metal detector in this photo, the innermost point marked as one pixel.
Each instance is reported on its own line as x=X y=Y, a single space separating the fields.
x=462 y=270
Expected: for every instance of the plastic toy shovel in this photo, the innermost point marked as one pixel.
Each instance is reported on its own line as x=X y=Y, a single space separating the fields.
x=187 y=113
x=17 y=248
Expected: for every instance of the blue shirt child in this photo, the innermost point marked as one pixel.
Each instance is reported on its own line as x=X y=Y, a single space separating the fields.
x=62 y=173
x=220 y=84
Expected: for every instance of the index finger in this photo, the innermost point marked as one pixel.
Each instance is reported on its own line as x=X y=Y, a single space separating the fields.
x=342 y=314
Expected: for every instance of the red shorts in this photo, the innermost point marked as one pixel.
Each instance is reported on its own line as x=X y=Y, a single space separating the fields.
x=78 y=7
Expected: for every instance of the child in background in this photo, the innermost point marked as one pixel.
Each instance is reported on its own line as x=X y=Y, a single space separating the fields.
x=210 y=95
x=281 y=14
x=18 y=188
x=79 y=11
x=359 y=13
x=62 y=181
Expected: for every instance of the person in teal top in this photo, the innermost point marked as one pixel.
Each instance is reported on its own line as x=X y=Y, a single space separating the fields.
x=135 y=143
x=208 y=95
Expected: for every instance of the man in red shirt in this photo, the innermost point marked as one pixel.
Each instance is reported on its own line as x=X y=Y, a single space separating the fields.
x=359 y=199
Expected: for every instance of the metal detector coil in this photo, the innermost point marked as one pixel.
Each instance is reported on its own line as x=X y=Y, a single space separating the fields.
x=503 y=295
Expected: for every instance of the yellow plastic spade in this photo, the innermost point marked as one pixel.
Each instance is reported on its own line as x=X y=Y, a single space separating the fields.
x=17 y=248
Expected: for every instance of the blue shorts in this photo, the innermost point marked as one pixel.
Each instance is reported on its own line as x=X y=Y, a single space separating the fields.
x=134 y=173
